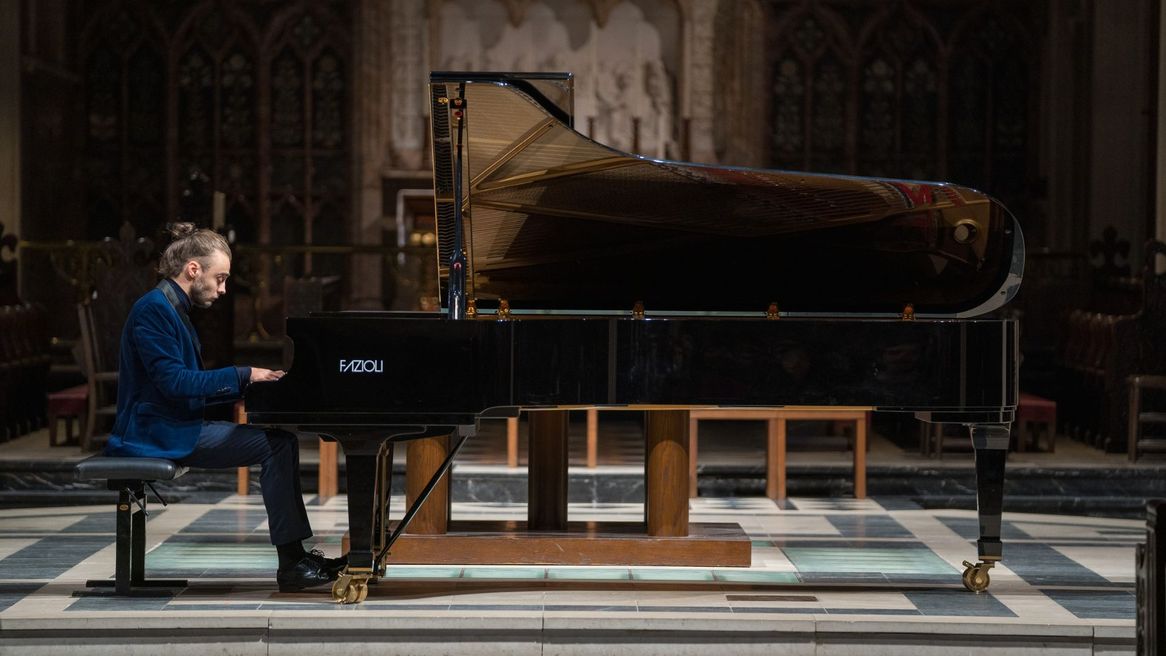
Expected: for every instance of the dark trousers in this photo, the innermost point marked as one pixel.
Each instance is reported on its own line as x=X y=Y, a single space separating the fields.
x=223 y=445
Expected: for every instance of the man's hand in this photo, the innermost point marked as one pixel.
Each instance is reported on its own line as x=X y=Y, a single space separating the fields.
x=261 y=375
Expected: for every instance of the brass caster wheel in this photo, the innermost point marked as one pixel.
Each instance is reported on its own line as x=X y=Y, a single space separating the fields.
x=976 y=576
x=349 y=590
x=340 y=589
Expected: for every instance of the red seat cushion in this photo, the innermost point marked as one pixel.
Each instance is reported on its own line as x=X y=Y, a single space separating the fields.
x=1036 y=408
x=69 y=401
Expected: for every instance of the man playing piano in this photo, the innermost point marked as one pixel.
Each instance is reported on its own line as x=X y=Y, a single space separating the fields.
x=162 y=391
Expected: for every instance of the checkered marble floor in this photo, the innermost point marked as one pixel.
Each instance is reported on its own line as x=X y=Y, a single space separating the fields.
x=833 y=576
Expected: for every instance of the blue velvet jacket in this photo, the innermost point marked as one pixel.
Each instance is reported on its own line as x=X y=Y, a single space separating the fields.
x=161 y=387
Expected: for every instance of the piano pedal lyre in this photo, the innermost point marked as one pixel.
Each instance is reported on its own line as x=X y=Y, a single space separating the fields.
x=638 y=310
x=772 y=312
x=908 y=312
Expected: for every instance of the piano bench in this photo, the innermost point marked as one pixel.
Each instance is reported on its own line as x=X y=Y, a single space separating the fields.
x=130 y=477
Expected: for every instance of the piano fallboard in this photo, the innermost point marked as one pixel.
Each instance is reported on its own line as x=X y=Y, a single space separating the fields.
x=381 y=369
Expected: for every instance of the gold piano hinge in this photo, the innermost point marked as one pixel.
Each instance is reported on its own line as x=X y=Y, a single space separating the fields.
x=908 y=312
x=771 y=313
x=503 y=309
x=471 y=309
x=638 y=310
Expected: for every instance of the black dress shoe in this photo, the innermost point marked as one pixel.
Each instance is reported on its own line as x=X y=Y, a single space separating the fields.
x=306 y=573
x=333 y=565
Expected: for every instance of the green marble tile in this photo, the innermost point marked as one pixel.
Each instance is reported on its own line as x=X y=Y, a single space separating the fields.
x=589 y=573
x=754 y=576
x=881 y=561
x=522 y=573
x=217 y=556
x=672 y=574
x=406 y=572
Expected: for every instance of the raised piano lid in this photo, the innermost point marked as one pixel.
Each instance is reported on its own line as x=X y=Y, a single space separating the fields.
x=558 y=223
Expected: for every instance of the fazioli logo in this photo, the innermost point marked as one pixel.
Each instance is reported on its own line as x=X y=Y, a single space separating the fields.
x=362 y=366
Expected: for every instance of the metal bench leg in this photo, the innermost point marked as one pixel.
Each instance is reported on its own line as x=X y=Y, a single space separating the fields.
x=138 y=539
x=125 y=533
x=130 y=560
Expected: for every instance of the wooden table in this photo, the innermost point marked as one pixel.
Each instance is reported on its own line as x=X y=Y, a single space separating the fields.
x=664 y=537
x=776 y=418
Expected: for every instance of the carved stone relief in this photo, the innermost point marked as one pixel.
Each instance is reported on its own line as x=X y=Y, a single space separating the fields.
x=626 y=58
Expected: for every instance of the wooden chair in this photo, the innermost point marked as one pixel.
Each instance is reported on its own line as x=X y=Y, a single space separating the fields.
x=99 y=378
x=1140 y=418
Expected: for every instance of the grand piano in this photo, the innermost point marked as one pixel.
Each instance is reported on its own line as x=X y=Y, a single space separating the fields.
x=577 y=276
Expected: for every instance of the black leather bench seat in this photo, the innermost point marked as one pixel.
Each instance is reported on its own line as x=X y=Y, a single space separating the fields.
x=142 y=469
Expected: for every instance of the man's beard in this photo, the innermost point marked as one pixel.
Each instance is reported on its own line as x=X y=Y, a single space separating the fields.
x=202 y=294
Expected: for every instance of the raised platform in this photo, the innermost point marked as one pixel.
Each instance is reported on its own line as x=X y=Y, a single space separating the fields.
x=626 y=544
x=836 y=576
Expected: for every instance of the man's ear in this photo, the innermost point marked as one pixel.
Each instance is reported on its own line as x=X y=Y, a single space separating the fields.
x=192 y=268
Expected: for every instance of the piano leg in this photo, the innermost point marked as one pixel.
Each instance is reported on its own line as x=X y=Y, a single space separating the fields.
x=990 y=442
x=362 y=459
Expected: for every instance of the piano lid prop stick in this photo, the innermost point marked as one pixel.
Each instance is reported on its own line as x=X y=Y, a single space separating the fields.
x=457 y=257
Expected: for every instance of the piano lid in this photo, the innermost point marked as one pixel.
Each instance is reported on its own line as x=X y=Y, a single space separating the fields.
x=556 y=222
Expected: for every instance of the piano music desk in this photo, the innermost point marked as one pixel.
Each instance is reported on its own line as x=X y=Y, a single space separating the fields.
x=775 y=461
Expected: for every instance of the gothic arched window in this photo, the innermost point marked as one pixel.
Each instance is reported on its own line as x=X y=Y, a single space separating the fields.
x=809 y=87
x=254 y=95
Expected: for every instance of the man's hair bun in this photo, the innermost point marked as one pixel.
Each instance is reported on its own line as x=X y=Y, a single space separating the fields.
x=180 y=230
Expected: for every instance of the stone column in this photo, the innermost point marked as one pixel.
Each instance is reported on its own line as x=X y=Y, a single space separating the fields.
x=10 y=116
x=407 y=117
x=698 y=84
x=1160 y=191
x=1121 y=152
x=369 y=113
x=1064 y=106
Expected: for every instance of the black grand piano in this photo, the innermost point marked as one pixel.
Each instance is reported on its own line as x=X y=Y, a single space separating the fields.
x=578 y=276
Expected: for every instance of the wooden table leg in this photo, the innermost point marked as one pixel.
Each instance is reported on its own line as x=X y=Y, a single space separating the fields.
x=693 y=492
x=423 y=458
x=665 y=463
x=860 y=458
x=775 y=461
x=512 y=441
x=242 y=481
x=592 y=438
x=327 y=484
x=242 y=474
x=546 y=505
x=778 y=458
